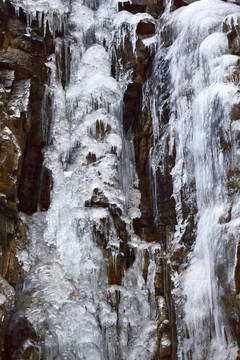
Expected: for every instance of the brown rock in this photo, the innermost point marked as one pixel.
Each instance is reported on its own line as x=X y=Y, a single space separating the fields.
x=22 y=74
x=165 y=346
x=232 y=27
x=7 y=298
x=10 y=154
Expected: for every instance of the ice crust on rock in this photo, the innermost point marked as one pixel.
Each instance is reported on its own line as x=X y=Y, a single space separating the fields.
x=125 y=25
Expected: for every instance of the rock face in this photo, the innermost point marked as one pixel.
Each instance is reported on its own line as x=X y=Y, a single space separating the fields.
x=7 y=298
x=23 y=76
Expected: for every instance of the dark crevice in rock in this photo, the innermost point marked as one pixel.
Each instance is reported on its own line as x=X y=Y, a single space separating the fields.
x=171 y=308
x=153 y=7
x=18 y=333
x=179 y=3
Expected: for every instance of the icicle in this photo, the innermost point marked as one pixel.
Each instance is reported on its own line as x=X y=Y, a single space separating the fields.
x=40 y=16
x=114 y=260
x=153 y=163
x=16 y=9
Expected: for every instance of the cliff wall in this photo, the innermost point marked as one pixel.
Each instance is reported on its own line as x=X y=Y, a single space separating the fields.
x=25 y=185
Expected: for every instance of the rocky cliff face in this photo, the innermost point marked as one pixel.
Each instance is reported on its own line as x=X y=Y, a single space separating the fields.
x=26 y=114
x=23 y=77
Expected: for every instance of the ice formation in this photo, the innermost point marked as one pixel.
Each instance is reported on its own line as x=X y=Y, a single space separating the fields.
x=66 y=295
x=202 y=95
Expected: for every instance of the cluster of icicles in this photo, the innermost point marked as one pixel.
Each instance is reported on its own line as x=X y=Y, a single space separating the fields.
x=66 y=297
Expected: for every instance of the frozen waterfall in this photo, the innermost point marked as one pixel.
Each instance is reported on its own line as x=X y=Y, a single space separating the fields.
x=74 y=296
x=203 y=92
x=93 y=289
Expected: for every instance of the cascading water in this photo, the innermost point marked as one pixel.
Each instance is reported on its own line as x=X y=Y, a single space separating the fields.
x=200 y=134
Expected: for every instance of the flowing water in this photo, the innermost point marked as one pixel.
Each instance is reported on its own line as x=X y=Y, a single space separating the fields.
x=66 y=295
